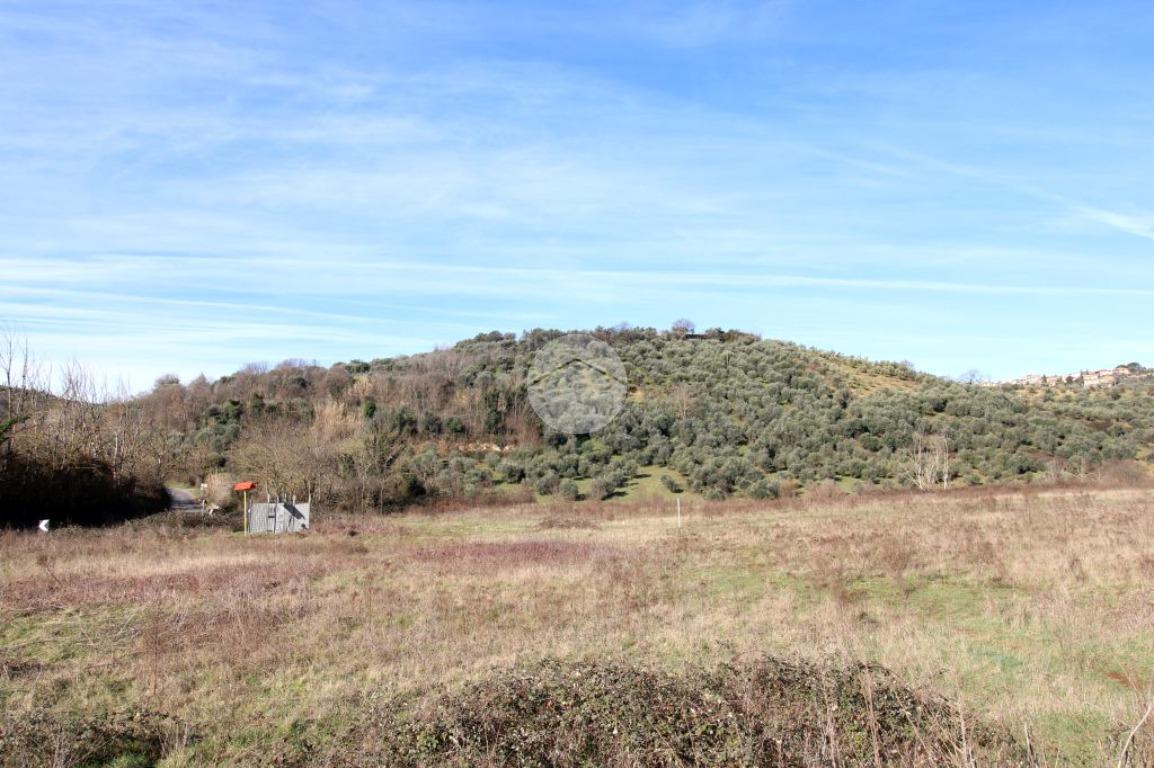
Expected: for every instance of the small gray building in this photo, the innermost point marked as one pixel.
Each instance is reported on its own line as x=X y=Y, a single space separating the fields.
x=278 y=517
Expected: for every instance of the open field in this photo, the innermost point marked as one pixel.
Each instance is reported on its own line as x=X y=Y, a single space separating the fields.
x=1031 y=612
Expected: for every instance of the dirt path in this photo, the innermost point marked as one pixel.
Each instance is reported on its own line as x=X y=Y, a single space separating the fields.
x=182 y=500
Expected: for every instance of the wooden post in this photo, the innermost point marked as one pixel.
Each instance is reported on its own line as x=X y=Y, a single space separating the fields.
x=246 y=512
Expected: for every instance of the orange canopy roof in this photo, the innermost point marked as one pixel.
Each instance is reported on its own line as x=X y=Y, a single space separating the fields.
x=246 y=485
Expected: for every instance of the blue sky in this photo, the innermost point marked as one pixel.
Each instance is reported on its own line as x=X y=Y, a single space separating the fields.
x=190 y=186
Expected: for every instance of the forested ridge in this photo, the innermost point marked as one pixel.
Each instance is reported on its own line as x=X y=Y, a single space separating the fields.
x=720 y=414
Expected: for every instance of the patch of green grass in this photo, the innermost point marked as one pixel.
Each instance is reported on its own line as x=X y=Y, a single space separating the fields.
x=70 y=634
x=457 y=527
x=647 y=484
x=732 y=582
x=1002 y=660
x=127 y=760
x=1076 y=736
x=850 y=484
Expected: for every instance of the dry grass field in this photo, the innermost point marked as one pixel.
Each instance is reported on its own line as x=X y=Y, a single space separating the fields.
x=1030 y=613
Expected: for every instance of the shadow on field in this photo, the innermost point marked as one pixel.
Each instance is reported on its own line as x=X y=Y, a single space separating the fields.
x=127 y=740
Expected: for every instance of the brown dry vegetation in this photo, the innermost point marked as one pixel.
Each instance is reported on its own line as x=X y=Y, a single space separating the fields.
x=1032 y=614
x=86 y=456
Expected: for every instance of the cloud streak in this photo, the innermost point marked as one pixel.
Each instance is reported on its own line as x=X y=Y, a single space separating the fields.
x=348 y=179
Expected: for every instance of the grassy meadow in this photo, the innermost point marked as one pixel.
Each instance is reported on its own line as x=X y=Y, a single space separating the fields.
x=1031 y=613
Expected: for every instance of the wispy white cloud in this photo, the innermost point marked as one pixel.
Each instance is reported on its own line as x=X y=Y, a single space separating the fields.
x=389 y=280
x=443 y=167
x=1137 y=225
x=706 y=22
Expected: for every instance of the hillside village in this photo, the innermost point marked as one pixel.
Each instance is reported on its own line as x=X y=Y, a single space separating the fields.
x=1100 y=379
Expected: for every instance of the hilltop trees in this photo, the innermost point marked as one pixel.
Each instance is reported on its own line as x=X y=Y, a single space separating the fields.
x=730 y=413
x=726 y=412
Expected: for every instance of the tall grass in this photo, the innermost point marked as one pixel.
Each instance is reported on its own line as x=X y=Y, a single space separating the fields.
x=1030 y=612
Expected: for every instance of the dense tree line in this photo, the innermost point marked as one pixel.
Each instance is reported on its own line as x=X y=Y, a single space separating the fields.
x=730 y=413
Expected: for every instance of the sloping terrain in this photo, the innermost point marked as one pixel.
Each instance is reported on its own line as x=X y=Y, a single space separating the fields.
x=717 y=414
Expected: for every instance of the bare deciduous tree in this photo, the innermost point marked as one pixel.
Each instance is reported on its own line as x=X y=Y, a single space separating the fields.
x=21 y=377
x=683 y=398
x=973 y=376
x=275 y=454
x=80 y=453
x=930 y=461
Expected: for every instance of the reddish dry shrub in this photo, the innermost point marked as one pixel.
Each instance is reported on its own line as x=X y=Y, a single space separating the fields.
x=1123 y=474
x=554 y=522
x=517 y=554
x=241 y=581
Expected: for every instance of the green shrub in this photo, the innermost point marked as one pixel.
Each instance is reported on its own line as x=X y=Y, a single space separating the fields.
x=763 y=489
x=757 y=713
x=567 y=490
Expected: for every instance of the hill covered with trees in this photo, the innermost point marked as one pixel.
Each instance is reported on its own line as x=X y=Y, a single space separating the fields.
x=721 y=414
